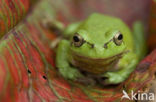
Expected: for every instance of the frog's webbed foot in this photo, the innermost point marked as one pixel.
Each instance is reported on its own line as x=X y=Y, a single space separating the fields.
x=70 y=73
x=76 y=75
x=111 y=78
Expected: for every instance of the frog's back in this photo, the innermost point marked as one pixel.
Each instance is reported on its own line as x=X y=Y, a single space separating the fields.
x=102 y=26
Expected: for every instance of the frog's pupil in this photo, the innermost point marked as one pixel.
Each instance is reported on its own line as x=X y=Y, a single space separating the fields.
x=76 y=39
x=120 y=37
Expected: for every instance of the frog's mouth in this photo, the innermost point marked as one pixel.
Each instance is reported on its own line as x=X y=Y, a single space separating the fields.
x=96 y=66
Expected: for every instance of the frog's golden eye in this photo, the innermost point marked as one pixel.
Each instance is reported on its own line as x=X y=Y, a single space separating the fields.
x=77 y=40
x=118 y=39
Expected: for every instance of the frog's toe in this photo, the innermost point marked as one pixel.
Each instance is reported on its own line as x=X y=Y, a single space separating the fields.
x=74 y=74
x=111 y=78
x=71 y=76
x=70 y=73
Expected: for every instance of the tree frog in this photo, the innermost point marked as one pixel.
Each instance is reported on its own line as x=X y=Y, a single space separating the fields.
x=101 y=46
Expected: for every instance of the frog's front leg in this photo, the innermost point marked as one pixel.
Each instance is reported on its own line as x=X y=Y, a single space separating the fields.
x=128 y=64
x=66 y=70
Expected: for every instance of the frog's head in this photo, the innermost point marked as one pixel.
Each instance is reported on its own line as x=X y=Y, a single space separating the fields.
x=101 y=37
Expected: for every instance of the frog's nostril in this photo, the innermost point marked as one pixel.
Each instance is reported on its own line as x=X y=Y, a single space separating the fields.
x=92 y=45
x=105 y=46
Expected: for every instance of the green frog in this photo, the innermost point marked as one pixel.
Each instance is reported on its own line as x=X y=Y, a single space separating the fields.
x=100 y=46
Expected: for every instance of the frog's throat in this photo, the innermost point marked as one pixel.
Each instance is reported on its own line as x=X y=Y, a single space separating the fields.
x=96 y=66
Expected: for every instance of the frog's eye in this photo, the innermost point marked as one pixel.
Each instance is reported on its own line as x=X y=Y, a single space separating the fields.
x=77 y=40
x=118 y=39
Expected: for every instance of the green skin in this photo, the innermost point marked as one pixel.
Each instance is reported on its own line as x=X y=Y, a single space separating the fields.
x=98 y=30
